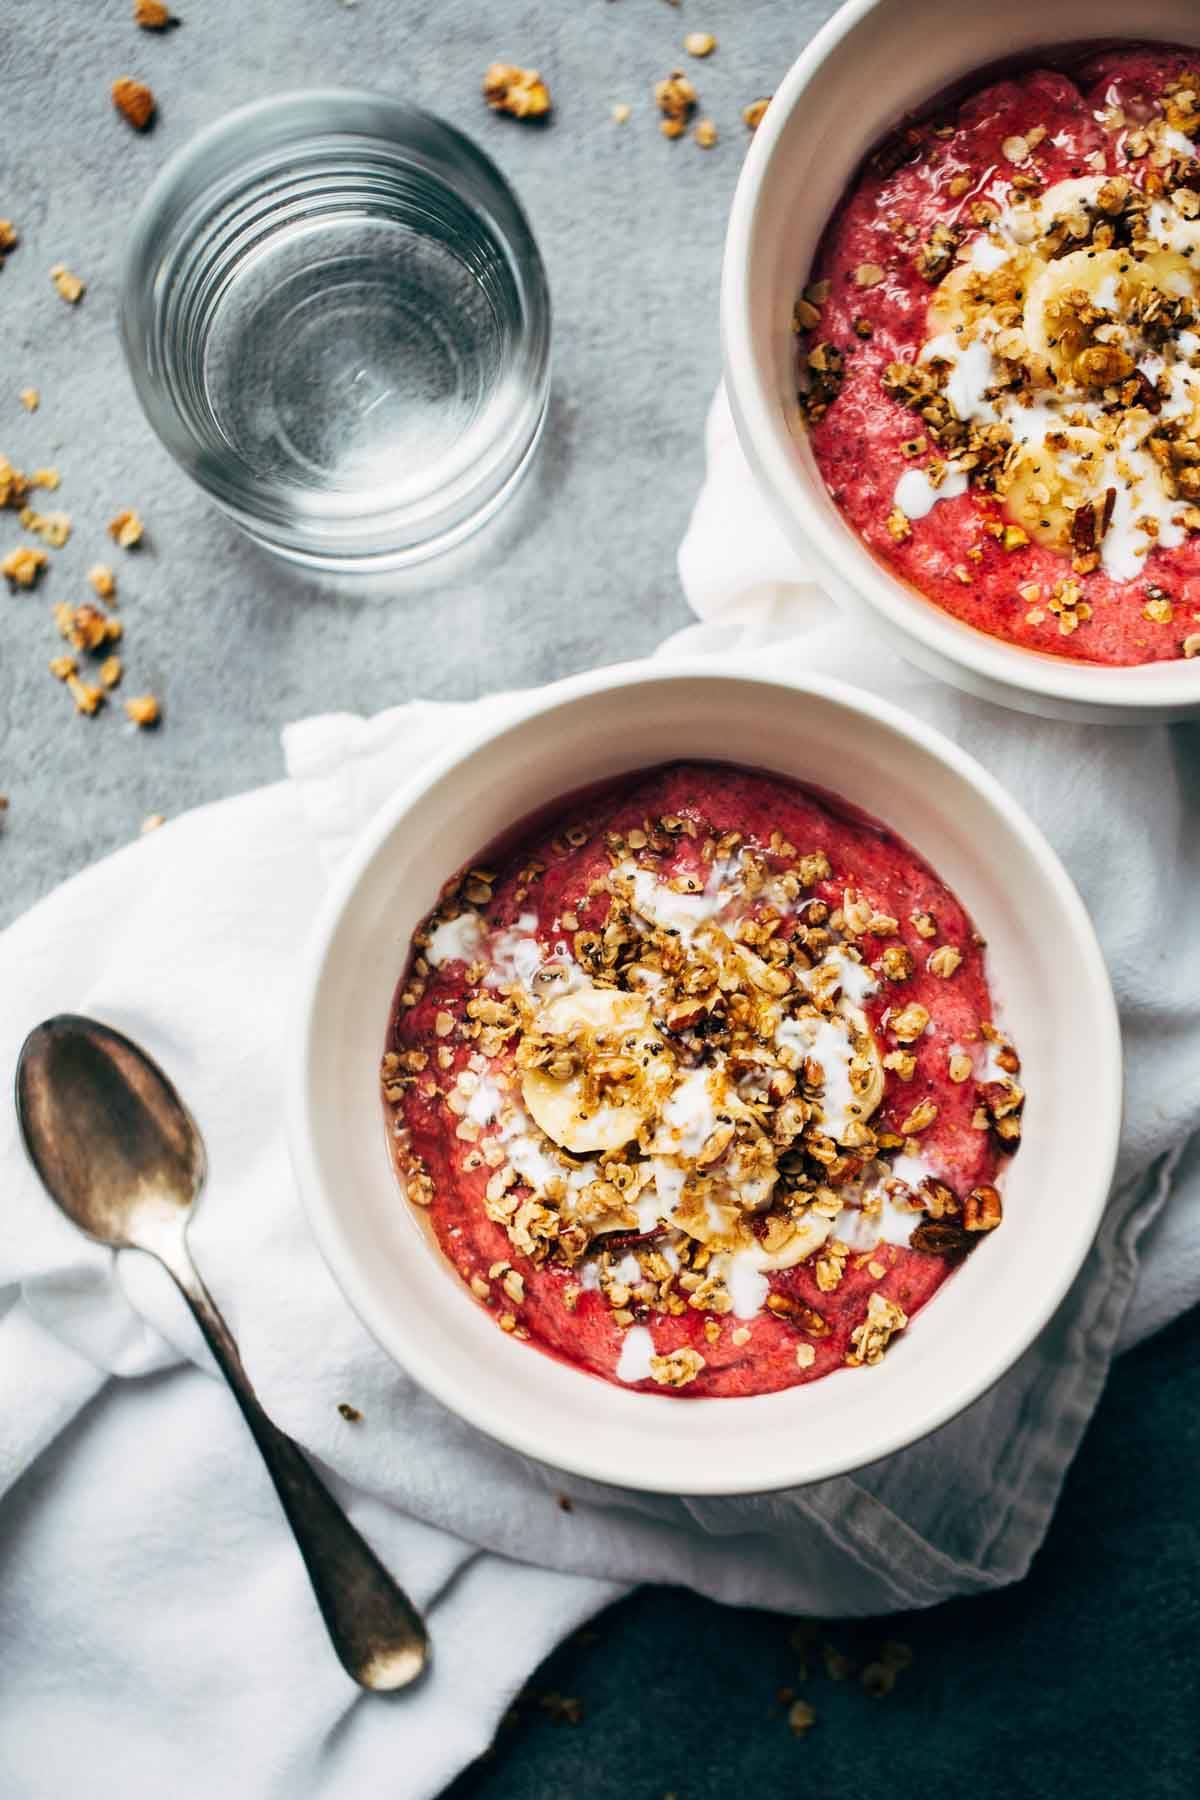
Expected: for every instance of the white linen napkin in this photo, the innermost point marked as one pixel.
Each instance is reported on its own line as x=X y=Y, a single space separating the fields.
x=157 y=1624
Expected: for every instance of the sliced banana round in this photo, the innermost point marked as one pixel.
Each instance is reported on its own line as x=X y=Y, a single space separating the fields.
x=1110 y=280
x=606 y=1024
x=1047 y=484
x=811 y=1232
x=1028 y=220
x=1170 y=271
x=1104 y=279
x=969 y=293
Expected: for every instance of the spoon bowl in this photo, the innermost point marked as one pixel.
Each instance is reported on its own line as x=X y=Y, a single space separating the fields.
x=109 y=1136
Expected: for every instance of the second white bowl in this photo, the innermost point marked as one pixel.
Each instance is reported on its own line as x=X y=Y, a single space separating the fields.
x=873 y=63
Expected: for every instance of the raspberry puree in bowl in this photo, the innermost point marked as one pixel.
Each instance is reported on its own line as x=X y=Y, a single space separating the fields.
x=696 y=1079
x=1000 y=355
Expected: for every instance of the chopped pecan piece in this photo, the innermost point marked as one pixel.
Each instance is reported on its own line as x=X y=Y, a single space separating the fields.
x=982 y=1209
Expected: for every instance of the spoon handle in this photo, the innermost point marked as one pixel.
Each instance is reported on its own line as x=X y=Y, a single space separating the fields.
x=379 y=1637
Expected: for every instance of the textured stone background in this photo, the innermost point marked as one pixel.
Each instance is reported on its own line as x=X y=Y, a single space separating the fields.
x=631 y=228
x=1084 y=1677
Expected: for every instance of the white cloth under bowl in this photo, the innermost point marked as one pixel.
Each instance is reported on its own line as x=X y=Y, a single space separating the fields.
x=157 y=1627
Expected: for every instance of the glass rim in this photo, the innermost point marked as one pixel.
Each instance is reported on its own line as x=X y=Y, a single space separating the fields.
x=168 y=226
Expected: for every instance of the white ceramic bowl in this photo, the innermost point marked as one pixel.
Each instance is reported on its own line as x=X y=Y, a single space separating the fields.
x=875 y=61
x=1048 y=975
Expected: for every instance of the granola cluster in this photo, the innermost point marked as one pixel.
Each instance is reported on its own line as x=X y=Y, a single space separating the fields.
x=674 y=1092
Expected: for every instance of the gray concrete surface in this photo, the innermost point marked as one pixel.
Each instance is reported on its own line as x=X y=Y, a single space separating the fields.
x=631 y=228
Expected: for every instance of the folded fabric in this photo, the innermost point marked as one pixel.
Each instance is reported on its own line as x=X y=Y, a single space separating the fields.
x=158 y=1626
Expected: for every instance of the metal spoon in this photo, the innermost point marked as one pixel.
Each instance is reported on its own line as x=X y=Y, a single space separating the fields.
x=119 y=1152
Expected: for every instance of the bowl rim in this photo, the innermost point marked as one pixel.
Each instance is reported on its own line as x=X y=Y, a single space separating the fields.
x=933 y=638
x=519 y=1430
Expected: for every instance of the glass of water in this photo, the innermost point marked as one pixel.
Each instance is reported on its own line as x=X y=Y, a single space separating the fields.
x=337 y=321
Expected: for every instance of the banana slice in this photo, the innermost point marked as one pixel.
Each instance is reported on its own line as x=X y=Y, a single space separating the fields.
x=1172 y=273
x=970 y=292
x=1029 y=220
x=1108 y=279
x=811 y=1232
x=1053 y=329
x=1048 y=484
x=609 y=1025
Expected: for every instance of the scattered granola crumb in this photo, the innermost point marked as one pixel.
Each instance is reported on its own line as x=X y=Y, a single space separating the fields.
x=621 y=112
x=127 y=528
x=838 y=1666
x=705 y=134
x=62 y=666
x=519 y=92
x=8 y=236
x=22 y=566
x=30 y=399
x=699 y=43
x=86 y=627
x=111 y=671
x=754 y=114
x=878 y=1679
x=144 y=711
x=69 y=286
x=50 y=479
x=801 y=1717
x=565 y=1503
x=88 y=699
x=103 y=581
x=676 y=99
x=53 y=528
x=152 y=15
x=134 y=101
x=350 y=1413
x=151 y=822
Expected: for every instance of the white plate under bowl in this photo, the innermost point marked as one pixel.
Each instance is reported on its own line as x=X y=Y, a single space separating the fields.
x=1048 y=976
x=873 y=63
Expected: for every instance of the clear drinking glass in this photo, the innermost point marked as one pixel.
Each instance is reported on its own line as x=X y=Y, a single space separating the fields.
x=337 y=321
